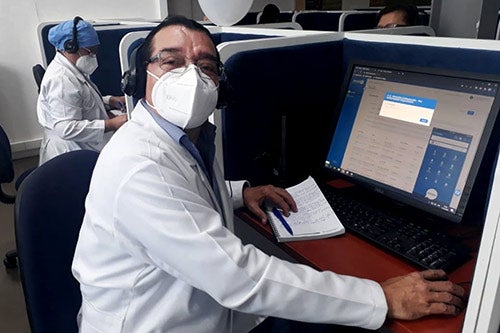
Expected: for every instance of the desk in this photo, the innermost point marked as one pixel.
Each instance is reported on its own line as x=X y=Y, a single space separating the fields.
x=348 y=254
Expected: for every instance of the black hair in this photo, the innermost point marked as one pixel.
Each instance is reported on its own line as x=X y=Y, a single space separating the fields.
x=410 y=12
x=270 y=14
x=145 y=50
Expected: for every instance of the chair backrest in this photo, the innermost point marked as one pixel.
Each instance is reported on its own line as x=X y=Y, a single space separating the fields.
x=38 y=72
x=6 y=166
x=49 y=210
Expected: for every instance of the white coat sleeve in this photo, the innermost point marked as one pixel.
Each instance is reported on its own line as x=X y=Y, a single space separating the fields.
x=174 y=228
x=235 y=190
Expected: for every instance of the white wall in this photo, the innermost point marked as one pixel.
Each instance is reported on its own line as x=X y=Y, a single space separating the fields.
x=353 y=4
x=193 y=10
x=465 y=18
x=20 y=51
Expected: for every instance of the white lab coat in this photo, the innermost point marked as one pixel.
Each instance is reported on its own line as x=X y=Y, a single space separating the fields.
x=71 y=111
x=155 y=255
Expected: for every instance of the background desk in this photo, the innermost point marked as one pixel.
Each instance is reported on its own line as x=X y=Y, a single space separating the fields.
x=348 y=254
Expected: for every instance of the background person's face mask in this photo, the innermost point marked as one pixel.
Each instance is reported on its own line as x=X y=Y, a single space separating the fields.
x=87 y=63
x=184 y=96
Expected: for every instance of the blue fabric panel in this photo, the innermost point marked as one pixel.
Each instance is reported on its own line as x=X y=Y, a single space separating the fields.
x=108 y=75
x=322 y=21
x=470 y=60
x=285 y=17
x=299 y=82
x=229 y=37
x=360 y=21
x=49 y=49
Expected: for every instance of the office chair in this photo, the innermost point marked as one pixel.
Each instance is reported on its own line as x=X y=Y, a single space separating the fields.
x=7 y=176
x=38 y=72
x=49 y=210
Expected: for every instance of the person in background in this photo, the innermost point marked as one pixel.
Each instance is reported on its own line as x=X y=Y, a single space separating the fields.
x=270 y=14
x=398 y=15
x=73 y=113
x=157 y=251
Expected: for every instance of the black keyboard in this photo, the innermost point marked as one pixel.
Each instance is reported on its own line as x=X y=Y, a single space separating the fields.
x=422 y=246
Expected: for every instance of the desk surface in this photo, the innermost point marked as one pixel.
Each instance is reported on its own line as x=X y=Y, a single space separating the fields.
x=348 y=254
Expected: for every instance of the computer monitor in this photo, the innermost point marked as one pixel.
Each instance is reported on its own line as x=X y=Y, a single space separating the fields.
x=416 y=135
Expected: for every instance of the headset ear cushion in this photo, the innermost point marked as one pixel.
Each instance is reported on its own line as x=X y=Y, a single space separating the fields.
x=70 y=46
x=128 y=83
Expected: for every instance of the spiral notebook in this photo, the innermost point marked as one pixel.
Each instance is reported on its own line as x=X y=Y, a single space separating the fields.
x=315 y=218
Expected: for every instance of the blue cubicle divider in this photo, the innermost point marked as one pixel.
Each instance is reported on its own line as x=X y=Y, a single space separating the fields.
x=453 y=58
x=221 y=37
x=108 y=75
x=318 y=20
x=360 y=20
x=299 y=82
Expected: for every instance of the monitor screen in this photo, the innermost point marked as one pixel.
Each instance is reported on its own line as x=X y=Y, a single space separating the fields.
x=414 y=134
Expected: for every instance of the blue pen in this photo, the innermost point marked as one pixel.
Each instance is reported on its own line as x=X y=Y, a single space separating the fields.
x=280 y=217
x=120 y=104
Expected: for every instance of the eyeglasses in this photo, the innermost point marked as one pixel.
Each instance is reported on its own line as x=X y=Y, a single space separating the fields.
x=168 y=61
x=391 y=25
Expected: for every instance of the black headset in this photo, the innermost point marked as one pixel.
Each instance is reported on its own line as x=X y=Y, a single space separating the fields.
x=71 y=45
x=129 y=82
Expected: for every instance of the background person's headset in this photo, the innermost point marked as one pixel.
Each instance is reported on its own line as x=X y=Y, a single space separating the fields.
x=71 y=45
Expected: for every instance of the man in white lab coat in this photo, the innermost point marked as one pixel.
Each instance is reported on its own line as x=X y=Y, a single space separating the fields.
x=156 y=252
x=70 y=108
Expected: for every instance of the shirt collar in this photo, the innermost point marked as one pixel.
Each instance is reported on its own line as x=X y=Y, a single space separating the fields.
x=173 y=131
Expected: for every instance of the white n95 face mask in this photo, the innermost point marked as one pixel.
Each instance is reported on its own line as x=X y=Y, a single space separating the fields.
x=87 y=63
x=184 y=96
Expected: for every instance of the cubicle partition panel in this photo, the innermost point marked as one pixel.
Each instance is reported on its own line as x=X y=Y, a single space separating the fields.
x=281 y=101
x=448 y=57
x=222 y=37
x=357 y=20
x=318 y=20
x=414 y=30
x=108 y=75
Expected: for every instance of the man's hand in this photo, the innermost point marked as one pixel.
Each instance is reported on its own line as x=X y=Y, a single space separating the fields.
x=254 y=197
x=423 y=293
x=114 y=123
